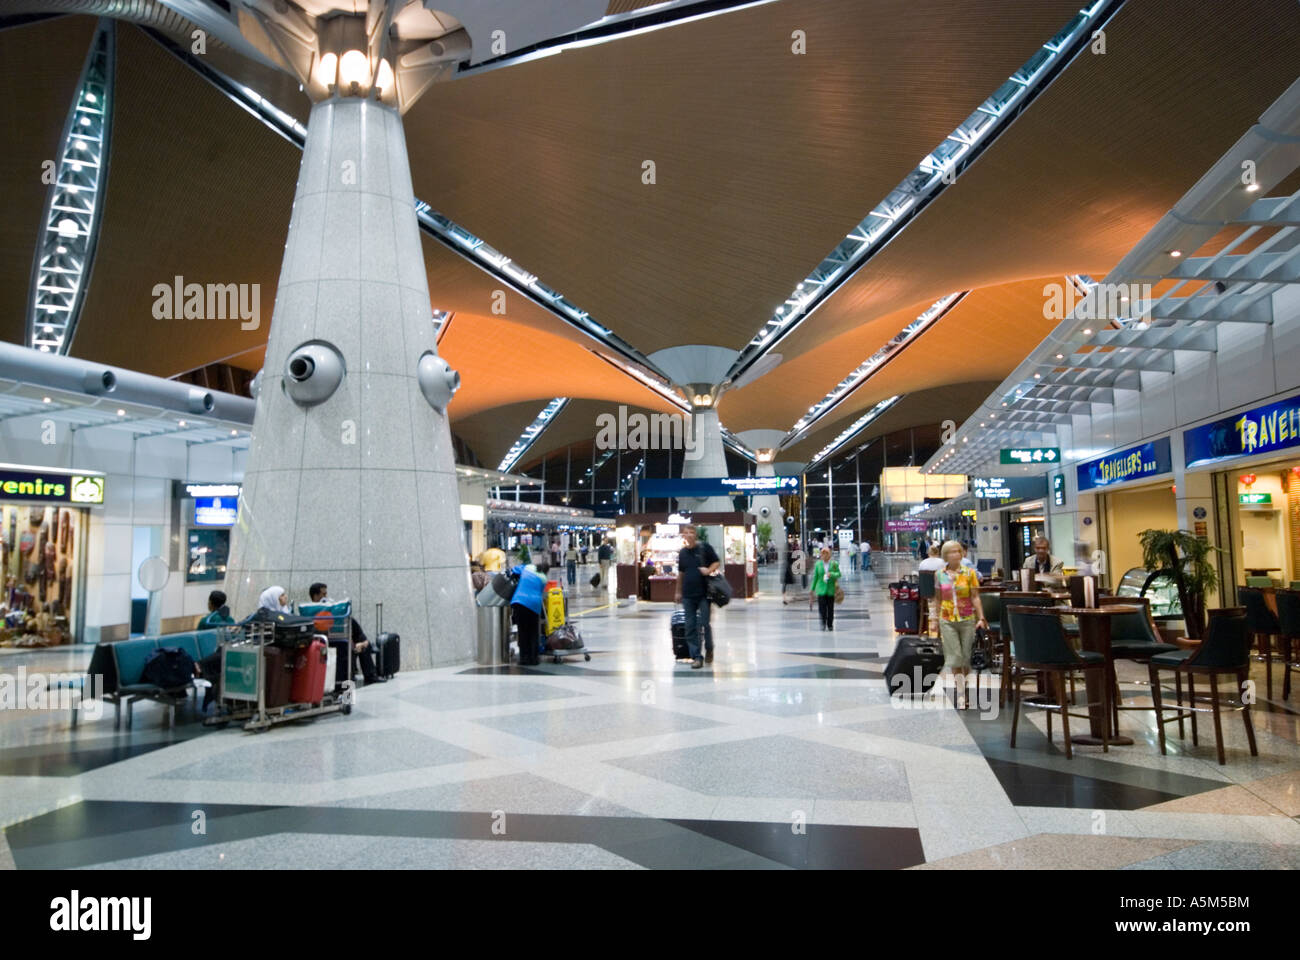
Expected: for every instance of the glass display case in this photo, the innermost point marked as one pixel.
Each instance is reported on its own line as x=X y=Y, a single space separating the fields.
x=1163 y=592
x=734 y=542
x=625 y=545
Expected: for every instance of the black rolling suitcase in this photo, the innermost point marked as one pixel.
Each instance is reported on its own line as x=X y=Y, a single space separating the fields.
x=388 y=647
x=680 y=650
x=915 y=666
x=907 y=616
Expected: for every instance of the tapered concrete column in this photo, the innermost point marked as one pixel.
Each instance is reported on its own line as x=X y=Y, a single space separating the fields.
x=765 y=444
x=710 y=460
x=357 y=489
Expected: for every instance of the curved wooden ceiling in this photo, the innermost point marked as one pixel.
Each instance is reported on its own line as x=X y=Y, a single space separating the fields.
x=1073 y=184
x=765 y=159
x=512 y=362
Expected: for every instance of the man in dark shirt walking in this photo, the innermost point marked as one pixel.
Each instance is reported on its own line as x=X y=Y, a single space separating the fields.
x=695 y=562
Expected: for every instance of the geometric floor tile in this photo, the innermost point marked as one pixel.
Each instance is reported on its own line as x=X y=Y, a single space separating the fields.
x=1225 y=856
x=778 y=767
x=312 y=851
x=1232 y=800
x=788 y=700
x=449 y=695
x=1281 y=791
x=513 y=793
x=324 y=758
x=599 y=723
x=1059 y=851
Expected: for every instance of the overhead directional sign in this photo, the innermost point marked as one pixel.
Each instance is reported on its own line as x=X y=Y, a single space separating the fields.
x=1031 y=454
x=715 y=486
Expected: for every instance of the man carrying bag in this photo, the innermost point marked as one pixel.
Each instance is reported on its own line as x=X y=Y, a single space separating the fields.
x=695 y=563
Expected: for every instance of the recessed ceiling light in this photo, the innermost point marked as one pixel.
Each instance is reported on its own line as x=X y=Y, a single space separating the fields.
x=1038 y=376
x=1087 y=332
x=1175 y=253
x=121 y=413
x=181 y=422
x=45 y=400
x=1252 y=187
x=1060 y=356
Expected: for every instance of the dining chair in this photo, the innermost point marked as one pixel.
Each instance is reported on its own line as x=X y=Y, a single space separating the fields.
x=1225 y=649
x=1004 y=631
x=1262 y=627
x=1133 y=636
x=1042 y=647
x=1288 y=627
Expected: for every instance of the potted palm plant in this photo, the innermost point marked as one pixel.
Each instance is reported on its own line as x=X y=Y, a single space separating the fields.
x=1185 y=559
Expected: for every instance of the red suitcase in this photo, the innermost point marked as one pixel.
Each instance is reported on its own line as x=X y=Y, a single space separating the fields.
x=309 y=672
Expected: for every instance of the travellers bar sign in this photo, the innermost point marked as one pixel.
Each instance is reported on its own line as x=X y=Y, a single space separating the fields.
x=45 y=486
x=1262 y=430
x=715 y=486
x=1135 y=463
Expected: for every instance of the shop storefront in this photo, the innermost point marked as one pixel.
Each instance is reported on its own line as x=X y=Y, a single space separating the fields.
x=1257 y=499
x=647 y=546
x=1135 y=492
x=44 y=515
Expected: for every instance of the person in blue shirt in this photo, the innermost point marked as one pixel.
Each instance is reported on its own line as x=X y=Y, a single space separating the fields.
x=526 y=611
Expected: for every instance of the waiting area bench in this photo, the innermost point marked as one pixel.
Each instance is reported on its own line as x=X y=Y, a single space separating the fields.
x=121 y=665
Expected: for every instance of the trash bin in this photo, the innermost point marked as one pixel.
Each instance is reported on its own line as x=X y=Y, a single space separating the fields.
x=493 y=635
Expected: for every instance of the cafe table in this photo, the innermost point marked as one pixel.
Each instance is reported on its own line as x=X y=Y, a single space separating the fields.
x=1094 y=635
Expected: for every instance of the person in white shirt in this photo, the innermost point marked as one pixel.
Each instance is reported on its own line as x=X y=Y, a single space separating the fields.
x=933 y=562
x=866 y=554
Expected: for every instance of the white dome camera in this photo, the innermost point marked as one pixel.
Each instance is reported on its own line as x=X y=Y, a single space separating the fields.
x=438 y=381
x=313 y=372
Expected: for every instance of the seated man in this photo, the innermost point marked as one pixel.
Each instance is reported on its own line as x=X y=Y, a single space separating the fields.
x=1041 y=560
x=360 y=644
x=209 y=668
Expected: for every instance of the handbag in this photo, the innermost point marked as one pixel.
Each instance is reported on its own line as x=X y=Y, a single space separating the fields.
x=839 y=593
x=979 y=654
x=718 y=590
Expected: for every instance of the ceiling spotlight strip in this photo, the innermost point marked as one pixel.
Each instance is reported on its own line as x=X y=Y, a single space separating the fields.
x=853 y=429
x=70 y=224
x=937 y=170
x=923 y=322
x=532 y=432
x=434 y=224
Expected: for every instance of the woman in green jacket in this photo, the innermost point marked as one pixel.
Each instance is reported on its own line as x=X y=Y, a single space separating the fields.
x=826 y=575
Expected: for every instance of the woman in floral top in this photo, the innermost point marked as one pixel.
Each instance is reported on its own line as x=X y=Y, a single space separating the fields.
x=958 y=592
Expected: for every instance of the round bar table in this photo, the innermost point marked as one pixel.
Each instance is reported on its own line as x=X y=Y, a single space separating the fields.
x=1094 y=635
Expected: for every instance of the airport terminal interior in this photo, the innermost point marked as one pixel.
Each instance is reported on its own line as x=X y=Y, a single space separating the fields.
x=616 y=434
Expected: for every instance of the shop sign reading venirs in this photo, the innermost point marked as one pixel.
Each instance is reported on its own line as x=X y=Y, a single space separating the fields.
x=52 y=486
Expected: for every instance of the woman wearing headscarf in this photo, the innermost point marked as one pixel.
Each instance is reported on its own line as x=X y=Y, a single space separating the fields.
x=274 y=599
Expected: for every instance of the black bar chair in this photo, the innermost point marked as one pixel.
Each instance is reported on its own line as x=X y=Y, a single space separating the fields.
x=1225 y=649
x=1042 y=647
x=1262 y=627
x=1133 y=636
x=1006 y=599
x=1288 y=624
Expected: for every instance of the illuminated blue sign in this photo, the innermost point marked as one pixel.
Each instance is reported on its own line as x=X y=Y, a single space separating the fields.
x=1262 y=430
x=215 y=511
x=1135 y=463
x=716 y=486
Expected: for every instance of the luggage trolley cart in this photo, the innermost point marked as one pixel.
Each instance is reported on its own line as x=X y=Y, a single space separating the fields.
x=557 y=655
x=243 y=681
